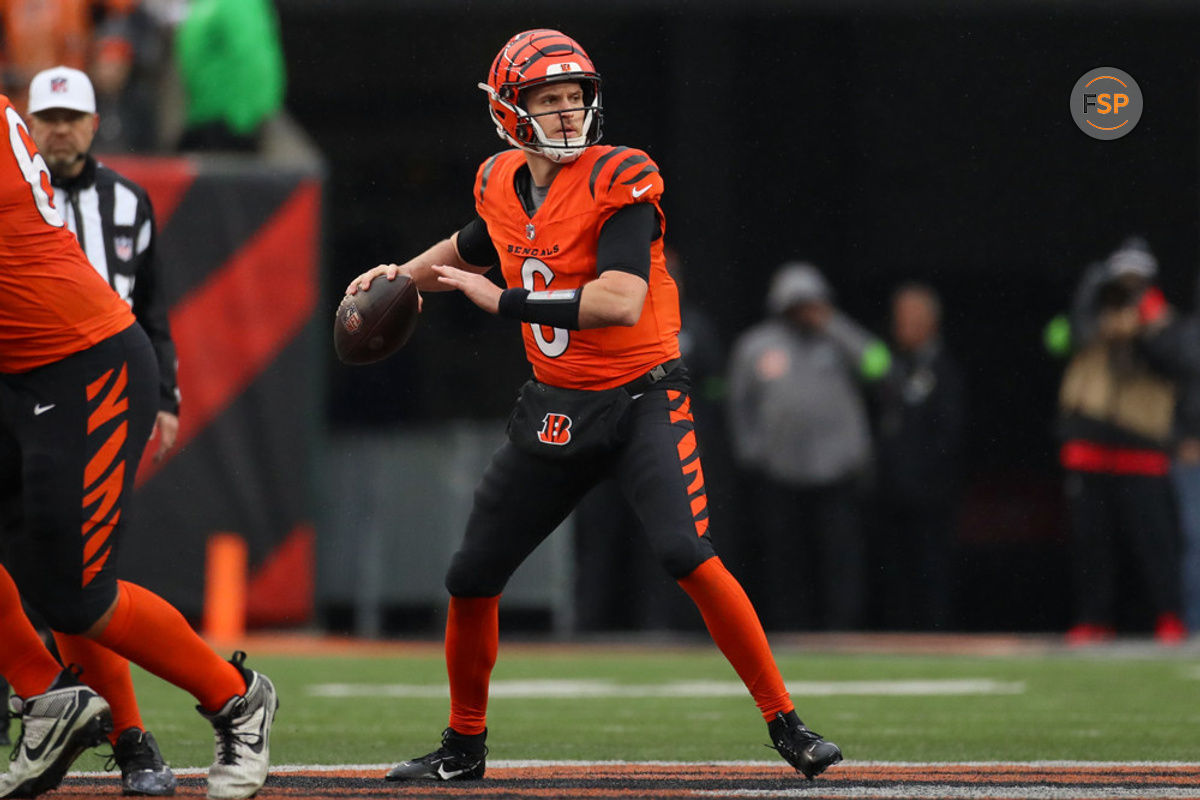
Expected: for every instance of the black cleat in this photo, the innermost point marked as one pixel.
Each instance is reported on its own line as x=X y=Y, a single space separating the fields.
x=143 y=771
x=803 y=749
x=460 y=758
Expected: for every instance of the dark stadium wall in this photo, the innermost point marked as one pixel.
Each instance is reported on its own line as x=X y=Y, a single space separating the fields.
x=882 y=141
x=240 y=249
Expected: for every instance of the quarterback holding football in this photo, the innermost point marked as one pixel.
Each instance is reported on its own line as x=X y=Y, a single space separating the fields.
x=577 y=229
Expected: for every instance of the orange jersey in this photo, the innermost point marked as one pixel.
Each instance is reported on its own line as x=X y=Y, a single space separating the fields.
x=52 y=302
x=556 y=249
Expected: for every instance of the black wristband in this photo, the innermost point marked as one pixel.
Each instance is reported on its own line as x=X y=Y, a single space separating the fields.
x=558 y=308
x=512 y=303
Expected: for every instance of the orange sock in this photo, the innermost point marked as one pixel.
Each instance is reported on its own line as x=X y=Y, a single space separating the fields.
x=734 y=626
x=472 y=641
x=151 y=633
x=24 y=660
x=108 y=674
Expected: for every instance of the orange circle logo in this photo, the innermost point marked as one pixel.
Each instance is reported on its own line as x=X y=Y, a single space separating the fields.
x=1106 y=103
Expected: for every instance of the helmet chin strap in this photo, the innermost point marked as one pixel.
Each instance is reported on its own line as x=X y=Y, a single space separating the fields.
x=563 y=155
x=568 y=151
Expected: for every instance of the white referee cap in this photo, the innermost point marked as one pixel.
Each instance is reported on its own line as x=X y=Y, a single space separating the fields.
x=61 y=87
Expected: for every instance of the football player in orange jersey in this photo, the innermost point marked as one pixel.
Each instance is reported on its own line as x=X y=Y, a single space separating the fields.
x=78 y=398
x=577 y=229
x=97 y=203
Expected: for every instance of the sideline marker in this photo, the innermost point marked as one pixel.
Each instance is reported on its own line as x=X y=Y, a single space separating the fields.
x=225 y=577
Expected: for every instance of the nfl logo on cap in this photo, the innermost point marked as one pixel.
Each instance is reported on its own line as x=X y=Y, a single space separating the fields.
x=61 y=87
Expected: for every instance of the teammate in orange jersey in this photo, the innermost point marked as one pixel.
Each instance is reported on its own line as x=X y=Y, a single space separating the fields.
x=577 y=230
x=97 y=204
x=78 y=397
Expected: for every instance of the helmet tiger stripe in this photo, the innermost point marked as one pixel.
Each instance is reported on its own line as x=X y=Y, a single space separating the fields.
x=535 y=58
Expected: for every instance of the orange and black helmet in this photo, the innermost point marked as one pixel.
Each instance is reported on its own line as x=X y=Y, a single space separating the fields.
x=535 y=58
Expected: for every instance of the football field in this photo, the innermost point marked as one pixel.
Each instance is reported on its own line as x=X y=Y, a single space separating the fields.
x=674 y=719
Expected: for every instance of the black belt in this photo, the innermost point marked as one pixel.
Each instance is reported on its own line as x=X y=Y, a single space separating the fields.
x=647 y=381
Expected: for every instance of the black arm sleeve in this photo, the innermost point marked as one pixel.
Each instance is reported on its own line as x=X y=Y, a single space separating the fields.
x=625 y=240
x=475 y=246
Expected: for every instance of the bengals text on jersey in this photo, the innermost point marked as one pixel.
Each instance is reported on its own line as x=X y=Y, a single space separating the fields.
x=556 y=249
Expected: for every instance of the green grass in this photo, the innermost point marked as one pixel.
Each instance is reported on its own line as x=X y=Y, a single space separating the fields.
x=1073 y=707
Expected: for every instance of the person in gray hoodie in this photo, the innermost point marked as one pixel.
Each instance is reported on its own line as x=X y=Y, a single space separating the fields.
x=799 y=427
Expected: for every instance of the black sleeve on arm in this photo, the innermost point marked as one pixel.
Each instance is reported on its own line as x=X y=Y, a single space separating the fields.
x=625 y=240
x=475 y=246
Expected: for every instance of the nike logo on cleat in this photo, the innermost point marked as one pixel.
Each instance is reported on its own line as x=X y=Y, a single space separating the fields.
x=254 y=742
x=448 y=775
x=35 y=753
x=40 y=409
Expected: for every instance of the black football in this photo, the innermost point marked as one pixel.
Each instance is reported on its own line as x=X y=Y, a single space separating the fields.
x=373 y=324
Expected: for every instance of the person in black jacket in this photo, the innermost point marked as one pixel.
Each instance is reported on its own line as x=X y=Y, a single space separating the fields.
x=112 y=218
x=110 y=215
x=920 y=427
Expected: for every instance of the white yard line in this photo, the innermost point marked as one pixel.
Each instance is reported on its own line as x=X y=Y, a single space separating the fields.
x=935 y=791
x=284 y=769
x=581 y=689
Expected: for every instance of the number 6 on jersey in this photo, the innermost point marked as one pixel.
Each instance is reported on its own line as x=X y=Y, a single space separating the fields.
x=32 y=166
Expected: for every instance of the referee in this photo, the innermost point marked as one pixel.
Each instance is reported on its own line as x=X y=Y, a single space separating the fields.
x=111 y=217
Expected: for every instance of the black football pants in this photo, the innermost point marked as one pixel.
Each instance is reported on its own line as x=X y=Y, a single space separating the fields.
x=71 y=436
x=522 y=498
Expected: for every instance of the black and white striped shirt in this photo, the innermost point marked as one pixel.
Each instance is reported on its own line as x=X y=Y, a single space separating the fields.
x=114 y=222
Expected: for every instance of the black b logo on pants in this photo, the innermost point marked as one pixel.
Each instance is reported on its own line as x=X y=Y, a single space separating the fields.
x=556 y=429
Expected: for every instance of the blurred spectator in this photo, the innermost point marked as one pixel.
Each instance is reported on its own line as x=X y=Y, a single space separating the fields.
x=798 y=420
x=619 y=584
x=921 y=417
x=130 y=114
x=90 y=35
x=231 y=63
x=1116 y=404
x=119 y=43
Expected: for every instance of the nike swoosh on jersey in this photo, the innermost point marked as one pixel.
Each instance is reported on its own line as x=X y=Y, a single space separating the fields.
x=40 y=409
x=641 y=191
